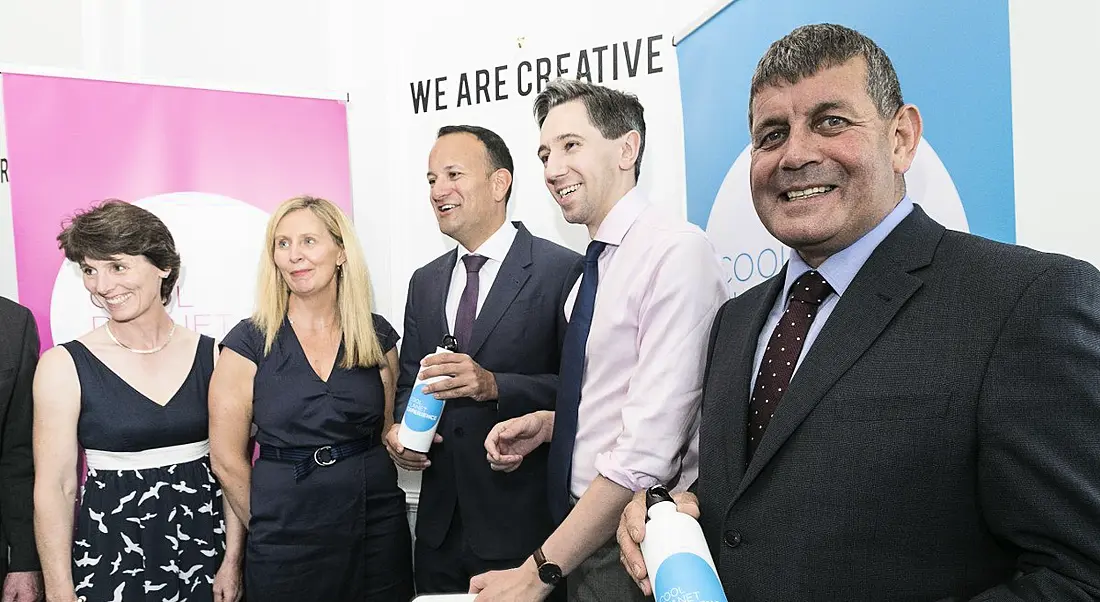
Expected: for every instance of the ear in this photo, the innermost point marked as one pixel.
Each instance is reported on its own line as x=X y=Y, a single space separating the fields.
x=630 y=145
x=342 y=258
x=499 y=181
x=907 y=132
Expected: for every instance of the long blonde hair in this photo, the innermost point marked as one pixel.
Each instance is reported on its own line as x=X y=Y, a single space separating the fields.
x=353 y=291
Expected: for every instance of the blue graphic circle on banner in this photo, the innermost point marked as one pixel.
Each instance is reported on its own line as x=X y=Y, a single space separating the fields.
x=953 y=63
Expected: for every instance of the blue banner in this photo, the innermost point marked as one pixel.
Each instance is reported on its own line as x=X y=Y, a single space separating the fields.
x=952 y=59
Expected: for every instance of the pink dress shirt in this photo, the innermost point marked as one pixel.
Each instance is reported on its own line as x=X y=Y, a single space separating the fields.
x=660 y=287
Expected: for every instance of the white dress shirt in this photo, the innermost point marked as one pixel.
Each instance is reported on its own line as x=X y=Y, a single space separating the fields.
x=660 y=286
x=495 y=248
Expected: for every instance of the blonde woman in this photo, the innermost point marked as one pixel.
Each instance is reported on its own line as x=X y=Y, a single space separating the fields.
x=314 y=369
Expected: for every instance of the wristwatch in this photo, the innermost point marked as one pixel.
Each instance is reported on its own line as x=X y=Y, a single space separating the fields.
x=549 y=573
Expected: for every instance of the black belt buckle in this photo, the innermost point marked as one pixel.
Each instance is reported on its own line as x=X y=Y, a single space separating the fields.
x=323 y=456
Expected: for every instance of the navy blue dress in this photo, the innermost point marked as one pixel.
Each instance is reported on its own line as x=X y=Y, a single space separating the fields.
x=341 y=533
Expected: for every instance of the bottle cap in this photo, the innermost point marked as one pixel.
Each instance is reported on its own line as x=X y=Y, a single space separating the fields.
x=449 y=343
x=655 y=495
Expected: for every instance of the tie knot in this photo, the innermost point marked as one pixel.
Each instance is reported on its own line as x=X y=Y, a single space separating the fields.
x=474 y=262
x=811 y=288
x=594 y=249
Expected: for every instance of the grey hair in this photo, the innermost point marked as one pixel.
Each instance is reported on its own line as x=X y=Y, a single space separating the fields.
x=612 y=112
x=810 y=48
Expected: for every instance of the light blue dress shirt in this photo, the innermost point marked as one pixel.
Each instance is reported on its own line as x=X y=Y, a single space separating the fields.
x=838 y=270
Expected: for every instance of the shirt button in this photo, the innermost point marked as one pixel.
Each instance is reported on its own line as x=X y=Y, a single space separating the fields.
x=459 y=431
x=732 y=538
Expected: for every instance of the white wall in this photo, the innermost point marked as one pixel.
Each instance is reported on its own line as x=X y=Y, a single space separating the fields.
x=364 y=49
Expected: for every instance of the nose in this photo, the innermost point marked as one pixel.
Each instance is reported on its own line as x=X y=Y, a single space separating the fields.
x=103 y=283
x=554 y=169
x=799 y=150
x=440 y=190
x=294 y=253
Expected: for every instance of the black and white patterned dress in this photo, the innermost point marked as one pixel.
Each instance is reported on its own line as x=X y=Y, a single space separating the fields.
x=150 y=526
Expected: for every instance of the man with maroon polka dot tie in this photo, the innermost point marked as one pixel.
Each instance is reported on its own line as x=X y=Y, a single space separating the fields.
x=904 y=412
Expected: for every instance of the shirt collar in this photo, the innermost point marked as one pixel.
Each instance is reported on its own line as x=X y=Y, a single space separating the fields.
x=496 y=246
x=622 y=216
x=841 y=268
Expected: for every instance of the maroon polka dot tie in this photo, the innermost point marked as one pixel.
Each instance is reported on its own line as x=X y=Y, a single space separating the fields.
x=781 y=354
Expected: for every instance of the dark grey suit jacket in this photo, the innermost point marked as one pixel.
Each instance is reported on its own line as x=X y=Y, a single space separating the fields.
x=18 y=358
x=517 y=336
x=940 y=440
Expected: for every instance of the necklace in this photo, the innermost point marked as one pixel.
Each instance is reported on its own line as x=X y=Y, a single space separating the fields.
x=171 y=332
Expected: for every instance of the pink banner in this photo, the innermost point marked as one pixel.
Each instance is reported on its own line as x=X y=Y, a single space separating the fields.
x=210 y=164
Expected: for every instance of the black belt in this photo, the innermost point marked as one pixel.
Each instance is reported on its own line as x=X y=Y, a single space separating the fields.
x=306 y=459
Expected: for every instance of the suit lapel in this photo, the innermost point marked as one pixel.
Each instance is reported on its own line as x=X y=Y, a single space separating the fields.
x=442 y=279
x=879 y=290
x=511 y=277
x=737 y=386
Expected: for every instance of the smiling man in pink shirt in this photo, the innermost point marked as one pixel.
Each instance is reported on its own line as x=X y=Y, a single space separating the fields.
x=628 y=404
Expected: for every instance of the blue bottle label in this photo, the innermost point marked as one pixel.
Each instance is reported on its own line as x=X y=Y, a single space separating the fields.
x=423 y=410
x=685 y=577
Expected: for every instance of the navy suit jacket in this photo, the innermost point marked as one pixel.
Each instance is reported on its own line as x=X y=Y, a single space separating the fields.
x=938 y=442
x=518 y=337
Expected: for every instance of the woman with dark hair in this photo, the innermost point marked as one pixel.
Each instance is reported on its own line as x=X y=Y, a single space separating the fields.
x=132 y=393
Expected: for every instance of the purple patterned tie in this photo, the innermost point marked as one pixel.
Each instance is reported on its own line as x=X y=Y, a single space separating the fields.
x=467 y=304
x=781 y=355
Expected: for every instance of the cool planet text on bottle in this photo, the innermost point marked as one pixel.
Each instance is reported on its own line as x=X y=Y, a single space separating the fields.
x=678 y=595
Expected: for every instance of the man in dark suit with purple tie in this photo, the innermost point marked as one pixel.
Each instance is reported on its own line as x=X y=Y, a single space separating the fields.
x=501 y=293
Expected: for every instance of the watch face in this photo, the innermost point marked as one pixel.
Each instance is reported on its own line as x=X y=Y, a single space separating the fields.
x=550 y=573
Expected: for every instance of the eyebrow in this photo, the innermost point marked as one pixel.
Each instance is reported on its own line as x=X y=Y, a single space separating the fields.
x=559 y=138
x=828 y=105
x=819 y=108
x=451 y=167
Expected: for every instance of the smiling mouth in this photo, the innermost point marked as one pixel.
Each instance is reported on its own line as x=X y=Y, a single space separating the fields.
x=119 y=299
x=568 y=190
x=808 y=193
x=446 y=208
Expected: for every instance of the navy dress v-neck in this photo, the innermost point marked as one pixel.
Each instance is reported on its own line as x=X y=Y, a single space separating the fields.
x=340 y=533
x=155 y=533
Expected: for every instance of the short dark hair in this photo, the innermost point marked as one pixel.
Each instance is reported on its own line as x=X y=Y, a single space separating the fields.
x=811 y=48
x=499 y=155
x=114 y=227
x=612 y=112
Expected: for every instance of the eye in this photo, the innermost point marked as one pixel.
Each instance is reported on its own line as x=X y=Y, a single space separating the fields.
x=281 y=244
x=118 y=267
x=431 y=181
x=569 y=145
x=832 y=122
x=310 y=240
x=771 y=139
x=87 y=270
x=544 y=157
x=453 y=174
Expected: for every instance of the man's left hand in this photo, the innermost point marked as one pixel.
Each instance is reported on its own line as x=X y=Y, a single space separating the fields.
x=521 y=584
x=468 y=379
x=24 y=586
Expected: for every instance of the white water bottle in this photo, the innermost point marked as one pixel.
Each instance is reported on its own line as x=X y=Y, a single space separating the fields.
x=423 y=411
x=676 y=554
